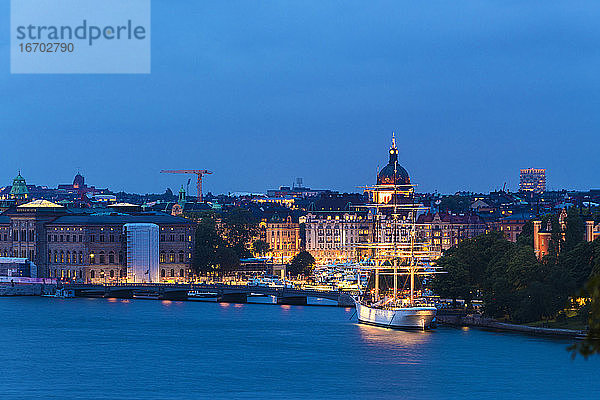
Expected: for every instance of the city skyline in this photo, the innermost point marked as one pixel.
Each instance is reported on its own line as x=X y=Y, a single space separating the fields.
x=263 y=95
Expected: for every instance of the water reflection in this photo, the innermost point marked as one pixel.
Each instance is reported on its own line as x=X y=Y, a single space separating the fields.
x=393 y=337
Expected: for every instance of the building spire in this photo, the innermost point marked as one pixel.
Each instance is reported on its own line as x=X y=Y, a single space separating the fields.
x=393 y=140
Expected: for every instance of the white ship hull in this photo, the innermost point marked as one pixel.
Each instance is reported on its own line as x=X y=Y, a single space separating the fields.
x=399 y=318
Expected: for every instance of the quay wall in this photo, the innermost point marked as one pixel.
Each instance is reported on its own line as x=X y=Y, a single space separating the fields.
x=31 y=289
x=489 y=323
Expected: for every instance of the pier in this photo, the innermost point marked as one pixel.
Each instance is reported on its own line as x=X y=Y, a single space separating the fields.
x=220 y=292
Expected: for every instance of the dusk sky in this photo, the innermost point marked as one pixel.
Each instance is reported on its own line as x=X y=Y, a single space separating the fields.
x=262 y=92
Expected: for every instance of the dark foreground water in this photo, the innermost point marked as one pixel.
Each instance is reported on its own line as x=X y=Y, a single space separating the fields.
x=144 y=349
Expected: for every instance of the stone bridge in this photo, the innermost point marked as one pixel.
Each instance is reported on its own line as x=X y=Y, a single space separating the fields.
x=221 y=292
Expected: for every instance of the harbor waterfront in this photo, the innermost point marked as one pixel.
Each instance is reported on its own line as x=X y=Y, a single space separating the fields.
x=120 y=348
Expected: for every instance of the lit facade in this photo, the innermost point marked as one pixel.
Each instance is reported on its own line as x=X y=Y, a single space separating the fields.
x=533 y=180
x=90 y=247
x=331 y=236
x=282 y=234
x=443 y=231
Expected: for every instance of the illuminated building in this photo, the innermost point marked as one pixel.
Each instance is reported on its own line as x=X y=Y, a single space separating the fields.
x=333 y=226
x=533 y=180
x=142 y=252
x=542 y=236
x=332 y=234
x=512 y=225
x=91 y=247
x=282 y=234
x=443 y=230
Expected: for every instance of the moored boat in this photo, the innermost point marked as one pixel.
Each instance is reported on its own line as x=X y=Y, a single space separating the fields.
x=418 y=317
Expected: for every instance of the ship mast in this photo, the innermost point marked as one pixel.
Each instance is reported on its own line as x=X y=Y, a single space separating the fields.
x=395 y=224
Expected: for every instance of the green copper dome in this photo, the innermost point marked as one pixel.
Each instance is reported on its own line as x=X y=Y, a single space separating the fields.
x=19 y=187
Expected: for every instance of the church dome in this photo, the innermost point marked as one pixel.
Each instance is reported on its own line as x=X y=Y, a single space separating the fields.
x=393 y=173
x=19 y=187
x=79 y=181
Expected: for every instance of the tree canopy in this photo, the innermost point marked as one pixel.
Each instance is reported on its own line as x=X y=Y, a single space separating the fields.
x=301 y=264
x=508 y=277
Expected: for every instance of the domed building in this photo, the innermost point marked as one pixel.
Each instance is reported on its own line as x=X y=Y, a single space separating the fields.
x=394 y=176
x=19 y=189
x=79 y=182
x=393 y=173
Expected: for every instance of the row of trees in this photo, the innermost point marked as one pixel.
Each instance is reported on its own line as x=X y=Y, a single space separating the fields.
x=511 y=281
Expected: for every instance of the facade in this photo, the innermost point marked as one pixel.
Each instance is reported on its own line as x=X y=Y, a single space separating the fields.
x=592 y=231
x=331 y=235
x=282 y=234
x=542 y=236
x=142 y=252
x=533 y=180
x=90 y=247
x=443 y=230
x=512 y=226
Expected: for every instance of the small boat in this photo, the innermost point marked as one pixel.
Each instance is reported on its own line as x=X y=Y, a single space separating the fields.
x=62 y=294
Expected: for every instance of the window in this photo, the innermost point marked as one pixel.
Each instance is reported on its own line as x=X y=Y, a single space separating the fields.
x=181 y=273
x=102 y=258
x=162 y=238
x=111 y=238
x=92 y=274
x=68 y=238
x=172 y=238
x=111 y=257
x=80 y=238
x=16 y=235
x=162 y=273
x=24 y=235
x=56 y=256
x=181 y=256
x=80 y=257
x=162 y=257
x=101 y=238
x=62 y=257
x=112 y=273
x=49 y=256
x=55 y=238
x=92 y=258
x=172 y=272
x=182 y=238
x=92 y=238
x=31 y=235
x=120 y=257
x=172 y=257
x=61 y=238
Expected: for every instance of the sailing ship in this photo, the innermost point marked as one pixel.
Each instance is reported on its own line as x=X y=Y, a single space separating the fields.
x=395 y=250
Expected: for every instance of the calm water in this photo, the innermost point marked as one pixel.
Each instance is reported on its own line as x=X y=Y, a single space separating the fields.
x=144 y=349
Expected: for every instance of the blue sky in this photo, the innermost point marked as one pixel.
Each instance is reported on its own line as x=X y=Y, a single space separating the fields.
x=263 y=92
